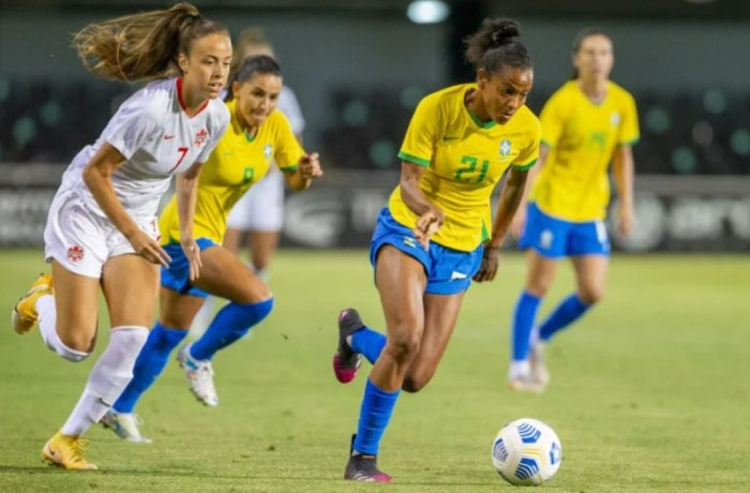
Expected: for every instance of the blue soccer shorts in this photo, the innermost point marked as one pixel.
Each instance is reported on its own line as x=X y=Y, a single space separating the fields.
x=555 y=238
x=177 y=277
x=448 y=271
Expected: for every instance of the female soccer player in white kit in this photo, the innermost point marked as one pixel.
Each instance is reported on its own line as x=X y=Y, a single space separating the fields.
x=101 y=227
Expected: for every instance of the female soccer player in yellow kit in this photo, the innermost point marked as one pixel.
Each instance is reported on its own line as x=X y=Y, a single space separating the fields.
x=436 y=233
x=257 y=136
x=588 y=123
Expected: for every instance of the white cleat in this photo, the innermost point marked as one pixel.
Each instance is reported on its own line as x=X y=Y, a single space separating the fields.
x=125 y=426
x=200 y=376
x=537 y=361
x=520 y=378
x=521 y=384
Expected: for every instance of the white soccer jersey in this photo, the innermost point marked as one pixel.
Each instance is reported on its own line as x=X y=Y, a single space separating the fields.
x=158 y=139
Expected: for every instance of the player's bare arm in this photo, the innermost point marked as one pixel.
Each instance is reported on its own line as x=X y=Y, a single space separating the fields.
x=430 y=216
x=519 y=219
x=186 y=190
x=511 y=197
x=624 y=170
x=98 y=177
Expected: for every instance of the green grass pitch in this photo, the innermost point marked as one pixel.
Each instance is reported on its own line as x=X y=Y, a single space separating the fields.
x=650 y=392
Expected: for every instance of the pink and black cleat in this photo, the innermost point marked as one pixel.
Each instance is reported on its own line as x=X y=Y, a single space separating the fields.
x=346 y=361
x=365 y=468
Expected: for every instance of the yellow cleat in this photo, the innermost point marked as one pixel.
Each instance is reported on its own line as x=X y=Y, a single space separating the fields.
x=67 y=451
x=24 y=314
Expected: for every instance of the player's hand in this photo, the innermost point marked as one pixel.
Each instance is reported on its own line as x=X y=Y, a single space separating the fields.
x=625 y=220
x=309 y=166
x=148 y=248
x=490 y=262
x=518 y=223
x=427 y=225
x=193 y=254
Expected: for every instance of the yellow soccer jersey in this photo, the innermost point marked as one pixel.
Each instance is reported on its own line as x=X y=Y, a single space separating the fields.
x=235 y=165
x=582 y=136
x=464 y=159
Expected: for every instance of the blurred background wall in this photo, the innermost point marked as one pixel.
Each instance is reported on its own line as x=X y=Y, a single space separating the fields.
x=359 y=68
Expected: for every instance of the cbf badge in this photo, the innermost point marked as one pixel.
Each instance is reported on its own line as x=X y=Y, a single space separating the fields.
x=505 y=148
x=268 y=151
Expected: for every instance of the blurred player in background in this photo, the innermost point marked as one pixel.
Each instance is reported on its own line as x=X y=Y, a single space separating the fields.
x=258 y=137
x=436 y=232
x=588 y=123
x=260 y=212
x=101 y=228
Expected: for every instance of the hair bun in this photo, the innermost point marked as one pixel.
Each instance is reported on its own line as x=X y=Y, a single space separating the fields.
x=503 y=31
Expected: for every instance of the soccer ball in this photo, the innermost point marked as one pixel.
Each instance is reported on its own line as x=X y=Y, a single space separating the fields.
x=526 y=452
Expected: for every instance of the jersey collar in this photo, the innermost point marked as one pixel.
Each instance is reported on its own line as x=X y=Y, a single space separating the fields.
x=182 y=103
x=479 y=123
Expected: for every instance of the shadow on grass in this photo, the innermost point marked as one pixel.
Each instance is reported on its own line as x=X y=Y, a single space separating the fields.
x=44 y=469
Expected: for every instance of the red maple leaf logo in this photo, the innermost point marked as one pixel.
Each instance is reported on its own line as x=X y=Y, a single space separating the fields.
x=200 y=138
x=75 y=253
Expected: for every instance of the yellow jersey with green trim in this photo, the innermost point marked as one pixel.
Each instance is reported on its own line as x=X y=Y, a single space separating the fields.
x=464 y=159
x=581 y=136
x=236 y=164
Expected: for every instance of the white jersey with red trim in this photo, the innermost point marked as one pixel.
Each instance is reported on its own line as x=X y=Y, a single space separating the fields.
x=158 y=139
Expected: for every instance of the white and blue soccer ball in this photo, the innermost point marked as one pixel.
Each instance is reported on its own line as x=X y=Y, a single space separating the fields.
x=526 y=452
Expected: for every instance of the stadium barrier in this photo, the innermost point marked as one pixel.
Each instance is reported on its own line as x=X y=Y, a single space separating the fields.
x=674 y=213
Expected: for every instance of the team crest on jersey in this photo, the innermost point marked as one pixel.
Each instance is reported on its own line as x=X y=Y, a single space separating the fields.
x=75 y=253
x=505 y=147
x=614 y=119
x=200 y=138
x=268 y=151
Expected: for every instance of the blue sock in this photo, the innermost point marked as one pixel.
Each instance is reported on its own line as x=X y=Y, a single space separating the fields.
x=523 y=321
x=377 y=406
x=231 y=323
x=368 y=342
x=567 y=312
x=150 y=362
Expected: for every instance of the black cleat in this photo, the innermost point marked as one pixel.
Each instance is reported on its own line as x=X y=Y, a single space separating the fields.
x=365 y=468
x=346 y=362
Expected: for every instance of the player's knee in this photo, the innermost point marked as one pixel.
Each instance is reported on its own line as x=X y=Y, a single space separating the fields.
x=257 y=293
x=539 y=287
x=76 y=343
x=71 y=354
x=403 y=345
x=591 y=295
x=415 y=383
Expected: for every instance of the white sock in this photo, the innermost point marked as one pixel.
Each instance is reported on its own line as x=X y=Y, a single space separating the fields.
x=45 y=307
x=520 y=369
x=108 y=378
x=203 y=318
x=263 y=274
x=534 y=337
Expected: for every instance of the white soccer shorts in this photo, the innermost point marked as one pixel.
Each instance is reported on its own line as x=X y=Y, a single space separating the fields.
x=262 y=207
x=81 y=241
